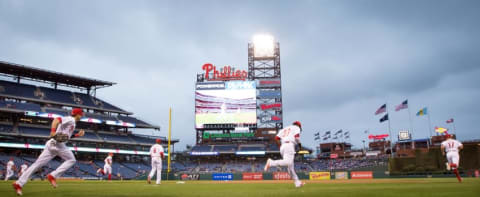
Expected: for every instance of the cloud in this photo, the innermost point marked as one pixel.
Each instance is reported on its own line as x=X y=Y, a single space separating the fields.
x=340 y=60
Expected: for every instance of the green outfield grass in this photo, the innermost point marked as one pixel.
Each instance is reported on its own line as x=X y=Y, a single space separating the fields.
x=368 y=188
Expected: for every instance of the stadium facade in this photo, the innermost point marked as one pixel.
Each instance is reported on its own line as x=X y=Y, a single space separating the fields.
x=31 y=97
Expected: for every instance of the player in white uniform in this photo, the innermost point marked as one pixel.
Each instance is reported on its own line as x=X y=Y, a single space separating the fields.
x=10 y=169
x=107 y=168
x=451 y=148
x=157 y=154
x=23 y=168
x=62 y=130
x=289 y=136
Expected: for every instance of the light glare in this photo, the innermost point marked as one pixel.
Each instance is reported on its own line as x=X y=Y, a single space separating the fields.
x=263 y=45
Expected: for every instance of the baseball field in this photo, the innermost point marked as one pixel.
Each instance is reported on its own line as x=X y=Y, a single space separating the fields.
x=437 y=187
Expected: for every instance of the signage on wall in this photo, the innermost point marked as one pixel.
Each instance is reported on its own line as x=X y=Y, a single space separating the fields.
x=227 y=73
x=404 y=135
x=271 y=119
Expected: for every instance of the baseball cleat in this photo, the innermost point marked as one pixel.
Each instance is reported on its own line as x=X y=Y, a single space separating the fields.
x=267 y=165
x=52 y=180
x=17 y=188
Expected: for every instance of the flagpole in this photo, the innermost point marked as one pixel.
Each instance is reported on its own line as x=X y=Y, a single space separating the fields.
x=411 y=124
x=389 y=131
x=429 y=124
x=454 y=130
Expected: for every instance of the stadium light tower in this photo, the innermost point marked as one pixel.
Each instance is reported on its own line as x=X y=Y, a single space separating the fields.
x=264 y=67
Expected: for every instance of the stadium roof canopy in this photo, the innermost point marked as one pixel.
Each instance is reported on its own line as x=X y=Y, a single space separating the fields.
x=58 y=78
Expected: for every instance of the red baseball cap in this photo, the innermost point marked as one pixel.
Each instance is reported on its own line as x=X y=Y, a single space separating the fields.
x=158 y=141
x=298 y=124
x=77 y=111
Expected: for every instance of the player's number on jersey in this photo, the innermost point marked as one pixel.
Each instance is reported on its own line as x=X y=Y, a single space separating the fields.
x=451 y=145
x=286 y=132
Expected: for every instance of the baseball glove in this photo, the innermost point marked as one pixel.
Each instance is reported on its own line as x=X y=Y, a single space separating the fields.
x=60 y=137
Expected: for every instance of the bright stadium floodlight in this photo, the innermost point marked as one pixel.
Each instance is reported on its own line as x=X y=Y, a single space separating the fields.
x=263 y=45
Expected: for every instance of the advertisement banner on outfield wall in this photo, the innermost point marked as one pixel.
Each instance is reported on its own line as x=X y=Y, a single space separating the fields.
x=252 y=176
x=341 y=175
x=361 y=175
x=281 y=176
x=222 y=176
x=319 y=175
x=190 y=177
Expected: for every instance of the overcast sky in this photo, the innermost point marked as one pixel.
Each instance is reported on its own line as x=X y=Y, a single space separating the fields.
x=340 y=60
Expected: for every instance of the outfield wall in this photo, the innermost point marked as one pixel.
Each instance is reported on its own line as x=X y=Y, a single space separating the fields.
x=323 y=175
x=433 y=162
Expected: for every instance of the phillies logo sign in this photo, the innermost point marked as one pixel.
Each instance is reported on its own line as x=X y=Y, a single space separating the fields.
x=226 y=73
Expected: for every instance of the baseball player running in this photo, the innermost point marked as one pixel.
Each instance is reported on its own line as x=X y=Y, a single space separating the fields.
x=62 y=130
x=23 y=167
x=156 y=152
x=107 y=168
x=451 y=148
x=10 y=169
x=289 y=136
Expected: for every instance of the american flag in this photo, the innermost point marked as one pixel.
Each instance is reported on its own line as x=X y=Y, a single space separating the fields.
x=382 y=109
x=450 y=121
x=404 y=105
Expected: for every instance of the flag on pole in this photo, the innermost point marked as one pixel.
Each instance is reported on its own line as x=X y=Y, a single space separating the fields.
x=384 y=118
x=335 y=137
x=450 y=121
x=346 y=137
x=338 y=132
x=317 y=138
x=346 y=133
x=326 y=138
x=317 y=134
x=382 y=109
x=440 y=130
x=422 y=112
x=403 y=105
x=326 y=133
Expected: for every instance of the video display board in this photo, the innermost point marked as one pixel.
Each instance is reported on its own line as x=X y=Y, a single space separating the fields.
x=229 y=102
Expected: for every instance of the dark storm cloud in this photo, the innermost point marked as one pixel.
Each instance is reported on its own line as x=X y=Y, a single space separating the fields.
x=340 y=59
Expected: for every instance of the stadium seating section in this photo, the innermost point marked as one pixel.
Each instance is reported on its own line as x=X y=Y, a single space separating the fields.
x=234 y=148
x=89 y=135
x=131 y=170
x=55 y=95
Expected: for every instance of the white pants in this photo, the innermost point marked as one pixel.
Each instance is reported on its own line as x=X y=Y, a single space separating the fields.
x=107 y=169
x=8 y=174
x=20 y=173
x=453 y=158
x=51 y=150
x=156 y=166
x=288 y=154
